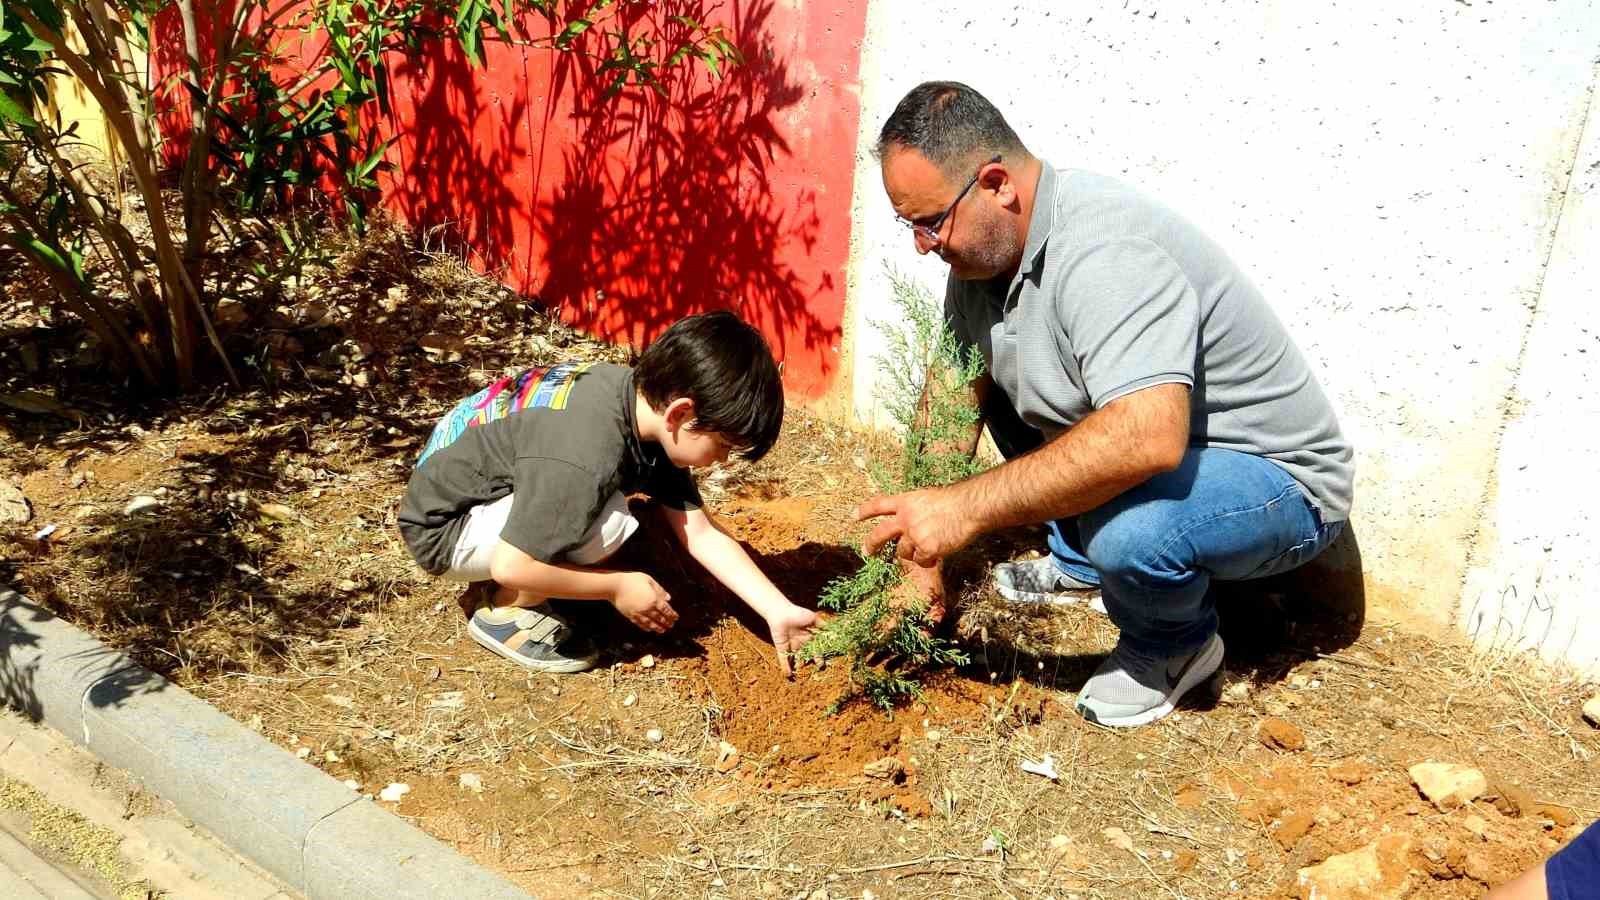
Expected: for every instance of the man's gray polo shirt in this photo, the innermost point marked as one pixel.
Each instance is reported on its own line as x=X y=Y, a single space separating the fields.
x=1117 y=293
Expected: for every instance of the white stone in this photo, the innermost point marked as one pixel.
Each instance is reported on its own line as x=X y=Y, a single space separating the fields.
x=140 y=504
x=1448 y=784
x=1378 y=871
x=471 y=782
x=654 y=736
x=14 y=509
x=1591 y=710
x=394 y=792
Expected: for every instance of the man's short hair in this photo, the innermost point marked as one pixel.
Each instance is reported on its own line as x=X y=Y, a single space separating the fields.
x=950 y=124
x=723 y=365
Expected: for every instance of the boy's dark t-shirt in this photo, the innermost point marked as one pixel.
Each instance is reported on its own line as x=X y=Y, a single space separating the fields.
x=562 y=438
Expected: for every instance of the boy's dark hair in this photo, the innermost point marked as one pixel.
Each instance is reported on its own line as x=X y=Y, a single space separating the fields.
x=724 y=366
x=951 y=125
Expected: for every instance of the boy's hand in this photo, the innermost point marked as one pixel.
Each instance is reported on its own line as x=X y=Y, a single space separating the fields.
x=644 y=602
x=791 y=628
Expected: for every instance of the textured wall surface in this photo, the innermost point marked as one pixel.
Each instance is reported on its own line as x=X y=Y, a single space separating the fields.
x=1392 y=177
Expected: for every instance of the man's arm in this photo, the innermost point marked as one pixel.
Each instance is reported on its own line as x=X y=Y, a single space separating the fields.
x=1113 y=449
x=726 y=560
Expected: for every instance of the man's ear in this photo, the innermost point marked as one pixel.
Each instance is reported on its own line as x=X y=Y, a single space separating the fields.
x=997 y=178
x=679 y=412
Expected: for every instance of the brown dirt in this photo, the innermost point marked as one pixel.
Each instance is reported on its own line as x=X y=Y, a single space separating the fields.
x=316 y=630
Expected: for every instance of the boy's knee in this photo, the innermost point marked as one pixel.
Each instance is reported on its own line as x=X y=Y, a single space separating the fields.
x=611 y=529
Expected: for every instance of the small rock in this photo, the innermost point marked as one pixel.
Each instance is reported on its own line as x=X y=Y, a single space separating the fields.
x=887 y=767
x=727 y=757
x=630 y=700
x=819 y=894
x=394 y=792
x=1293 y=827
x=1237 y=693
x=230 y=313
x=277 y=512
x=1591 y=710
x=933 y=736
x=1379 y=871
x=347 y=586
x=471 y=782
x=77 y=481
x=1447 y=784
x=443 y=347
x=1560 y=816
x=352 y=784
x=14 y=508
x=868 y=894
x=1281 y=735
x=647 y=662
x=1351 y=772
x=1118 y=838
x=140 y=504
x=331 y=756
x=303 y=752
x=1299 y=682
x=654 y=736
x=1478 y=825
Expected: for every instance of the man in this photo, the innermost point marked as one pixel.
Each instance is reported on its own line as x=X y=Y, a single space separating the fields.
x=1151 y=407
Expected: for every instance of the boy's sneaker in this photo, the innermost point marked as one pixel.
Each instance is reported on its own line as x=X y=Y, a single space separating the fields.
x=1042 y=581
x=535 y=638
x=1131 y=688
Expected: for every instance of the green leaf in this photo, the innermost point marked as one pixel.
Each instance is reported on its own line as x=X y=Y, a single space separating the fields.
x=11 y=111
x=373 y=159
x=48 y=253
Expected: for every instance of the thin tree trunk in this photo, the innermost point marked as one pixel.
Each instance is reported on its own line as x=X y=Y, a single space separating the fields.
x=123 y=251
x=83 y=303
x=176 y=286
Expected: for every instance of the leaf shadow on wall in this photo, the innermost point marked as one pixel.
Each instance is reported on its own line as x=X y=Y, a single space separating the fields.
x=666 y=207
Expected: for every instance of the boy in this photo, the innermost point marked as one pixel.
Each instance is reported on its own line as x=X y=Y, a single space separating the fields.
x=524 y=485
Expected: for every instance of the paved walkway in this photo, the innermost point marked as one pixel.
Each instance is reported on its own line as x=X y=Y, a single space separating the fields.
x=53 y=793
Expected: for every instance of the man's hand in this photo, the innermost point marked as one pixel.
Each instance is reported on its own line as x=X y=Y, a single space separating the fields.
x=791 y=628
x=644 y=602
x=929 y=524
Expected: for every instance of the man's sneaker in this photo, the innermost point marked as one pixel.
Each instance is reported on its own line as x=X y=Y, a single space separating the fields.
x=535 y=638
x=1131 y=688
x=1042 y=581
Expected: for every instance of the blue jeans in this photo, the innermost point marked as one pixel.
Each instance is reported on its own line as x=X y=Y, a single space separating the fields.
x=1155 y=549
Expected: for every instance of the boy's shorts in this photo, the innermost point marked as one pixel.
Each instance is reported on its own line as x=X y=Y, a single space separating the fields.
x=481 y=534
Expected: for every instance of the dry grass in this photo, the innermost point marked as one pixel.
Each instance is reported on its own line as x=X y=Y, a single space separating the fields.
x=329 y=639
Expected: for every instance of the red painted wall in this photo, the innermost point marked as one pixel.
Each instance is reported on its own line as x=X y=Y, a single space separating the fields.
x=625 y=214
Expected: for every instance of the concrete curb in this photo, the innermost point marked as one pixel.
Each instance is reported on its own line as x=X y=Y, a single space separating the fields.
x=291 y=819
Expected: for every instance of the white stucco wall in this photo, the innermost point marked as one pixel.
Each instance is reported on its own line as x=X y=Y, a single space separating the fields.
x=1534 y=579
x=1390 y=175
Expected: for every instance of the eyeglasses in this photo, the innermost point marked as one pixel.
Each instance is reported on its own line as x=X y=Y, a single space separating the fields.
x=929 y=230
